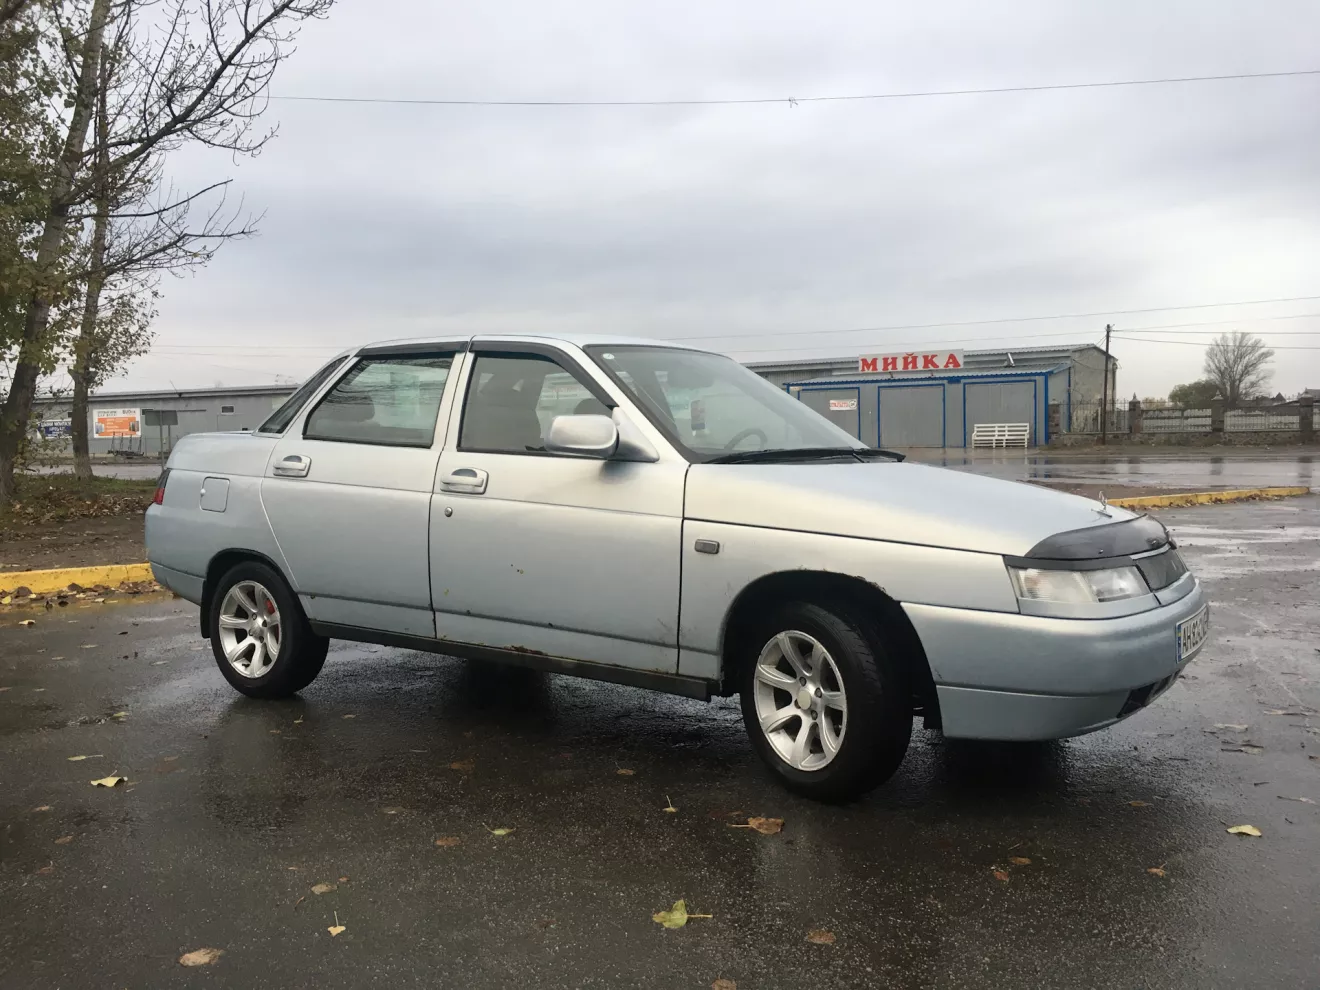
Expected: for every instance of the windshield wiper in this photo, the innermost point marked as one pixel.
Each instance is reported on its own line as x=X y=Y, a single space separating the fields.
x=773 y=454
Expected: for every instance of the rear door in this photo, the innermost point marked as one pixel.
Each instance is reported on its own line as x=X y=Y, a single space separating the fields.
x=348 y=490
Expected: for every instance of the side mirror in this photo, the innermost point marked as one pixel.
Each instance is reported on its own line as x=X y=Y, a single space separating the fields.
x=603 y=437
x=585 y=436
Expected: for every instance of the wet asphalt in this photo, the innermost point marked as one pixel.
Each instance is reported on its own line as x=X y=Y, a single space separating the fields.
x=1174 y=468
x=235 y=809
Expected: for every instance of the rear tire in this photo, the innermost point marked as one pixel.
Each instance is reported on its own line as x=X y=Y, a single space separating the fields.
x=260 y=636
x=826 y=674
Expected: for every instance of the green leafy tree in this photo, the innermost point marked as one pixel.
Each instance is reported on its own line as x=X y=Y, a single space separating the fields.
x=1194 y=395
x=204 y=72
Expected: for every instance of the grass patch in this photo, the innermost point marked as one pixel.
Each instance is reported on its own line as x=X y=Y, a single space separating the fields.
x=52 y=498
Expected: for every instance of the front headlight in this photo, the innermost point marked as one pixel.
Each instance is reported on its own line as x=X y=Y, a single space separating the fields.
x=1112 y=584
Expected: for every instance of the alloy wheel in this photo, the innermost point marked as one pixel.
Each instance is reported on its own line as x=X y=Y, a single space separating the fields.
x=250 y=629
x=800 y=700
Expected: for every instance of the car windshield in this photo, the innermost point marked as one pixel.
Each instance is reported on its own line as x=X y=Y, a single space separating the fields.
x=711 y=406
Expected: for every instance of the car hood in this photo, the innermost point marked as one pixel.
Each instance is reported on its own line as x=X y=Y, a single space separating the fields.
x=887 y=500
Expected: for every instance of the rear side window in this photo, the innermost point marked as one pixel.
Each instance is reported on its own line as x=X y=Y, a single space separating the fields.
x=393 y=401
x=283 y=416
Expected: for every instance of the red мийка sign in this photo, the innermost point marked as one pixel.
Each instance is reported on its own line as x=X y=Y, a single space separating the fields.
x=912 y=361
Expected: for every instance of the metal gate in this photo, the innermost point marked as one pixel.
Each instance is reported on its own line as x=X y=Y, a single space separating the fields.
x=1000 y=402
x=912 y=415
x=839 y=405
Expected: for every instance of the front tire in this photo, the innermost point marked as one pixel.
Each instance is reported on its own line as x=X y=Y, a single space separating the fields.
x=260 y=637
x=827 y=708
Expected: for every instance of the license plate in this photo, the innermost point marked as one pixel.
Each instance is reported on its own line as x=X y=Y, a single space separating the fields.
x=1191 y=633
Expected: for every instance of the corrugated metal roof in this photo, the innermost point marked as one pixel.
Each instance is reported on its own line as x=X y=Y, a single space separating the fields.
x=223 y=391
x=969 y=355
x=884 y=376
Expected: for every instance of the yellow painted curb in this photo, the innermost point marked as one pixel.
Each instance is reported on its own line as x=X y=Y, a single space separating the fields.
x=1206 y=498
x=44 y=582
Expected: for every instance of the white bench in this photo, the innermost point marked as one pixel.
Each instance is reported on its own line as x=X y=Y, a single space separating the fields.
x=1001 y=435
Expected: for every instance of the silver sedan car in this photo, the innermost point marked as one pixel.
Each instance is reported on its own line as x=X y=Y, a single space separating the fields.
x=659 y=516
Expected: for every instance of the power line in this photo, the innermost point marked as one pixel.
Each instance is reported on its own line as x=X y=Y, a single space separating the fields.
x=795 y=100
x=1011 y=319
x=1202 y=343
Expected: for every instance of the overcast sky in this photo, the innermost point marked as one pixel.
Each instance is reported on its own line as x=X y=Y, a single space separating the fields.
x=768 y=229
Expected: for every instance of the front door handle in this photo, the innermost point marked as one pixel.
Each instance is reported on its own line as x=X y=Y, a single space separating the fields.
x=293 y=466
x=467 y=481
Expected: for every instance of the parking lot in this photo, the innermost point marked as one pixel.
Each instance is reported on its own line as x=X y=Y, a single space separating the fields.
x=492 y=828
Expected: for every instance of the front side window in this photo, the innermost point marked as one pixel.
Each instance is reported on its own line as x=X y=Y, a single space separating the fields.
x=711 y=406
x=393 y=401
x=283 y=416
x=513 y=398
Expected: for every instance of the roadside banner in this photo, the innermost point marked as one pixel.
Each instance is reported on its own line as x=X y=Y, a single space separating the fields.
x=53 y=429
x=117 y=423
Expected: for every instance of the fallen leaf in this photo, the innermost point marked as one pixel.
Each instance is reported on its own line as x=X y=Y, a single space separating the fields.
x=43 y=807
x=3 y=690
x=47 y=869
x=623 y=772
x=299 y=901
x=724 y=985
x=820 y=936
x=6 y=600
x=274 y=732
x=120 y=715
x=1156 y=870
x=1251 y=830
x=766 y=826
x=1252 y=750
x=92 y=756
x=1232 y=726
x=88 y=646
x=1019 y=861
x=343 y=879
x=677 y=916
x=110 y=781
x=1304 y=800
x=448 y=841
x=168 y=759
x=350 y=716
x=201 y=957
x=298 y=720
x=336 y=928
x=669 y=805
x=1139 y=804
x=63 y=840
x=499 y=831
x=28 y=622
x=392 y=810
x=463 y=766
x=323 y=888
x=158 y=663
x=1001 y=875
x=1287 y=711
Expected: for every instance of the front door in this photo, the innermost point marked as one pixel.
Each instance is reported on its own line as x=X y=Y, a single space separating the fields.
x=566 y=556
x=348 y=491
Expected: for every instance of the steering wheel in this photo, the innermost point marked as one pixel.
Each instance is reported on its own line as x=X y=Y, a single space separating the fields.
x=742 y=435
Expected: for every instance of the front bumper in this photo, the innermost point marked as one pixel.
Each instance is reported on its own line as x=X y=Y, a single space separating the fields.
x=1002 y=675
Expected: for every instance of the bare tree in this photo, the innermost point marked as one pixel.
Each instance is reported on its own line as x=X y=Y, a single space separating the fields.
x=1238 y=364
x=202 y=75
x=138 y=229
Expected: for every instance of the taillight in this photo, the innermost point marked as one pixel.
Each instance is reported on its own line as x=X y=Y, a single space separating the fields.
x=159 y=497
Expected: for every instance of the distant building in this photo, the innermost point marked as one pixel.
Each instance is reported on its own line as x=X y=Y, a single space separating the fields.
x=149 y=422
x=936 y=398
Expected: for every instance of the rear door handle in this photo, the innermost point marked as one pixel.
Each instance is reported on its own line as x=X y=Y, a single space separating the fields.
x=468 y=481
x=293 y=466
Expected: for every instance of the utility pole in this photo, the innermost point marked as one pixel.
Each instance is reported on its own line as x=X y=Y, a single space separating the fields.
x=1104 y=391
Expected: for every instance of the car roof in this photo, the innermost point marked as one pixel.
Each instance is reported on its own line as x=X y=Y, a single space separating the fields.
x=575 y=339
